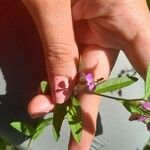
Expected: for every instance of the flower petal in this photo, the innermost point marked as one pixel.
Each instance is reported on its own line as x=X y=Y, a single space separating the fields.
x=146 y=105
x=142 y=118
x=89 y=77
x=91 y=86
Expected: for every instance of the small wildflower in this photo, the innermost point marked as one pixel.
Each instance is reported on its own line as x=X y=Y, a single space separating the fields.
x=145 y=105
x=86 y=84
x=90 y=81
x=138 y=117
x=142 y=118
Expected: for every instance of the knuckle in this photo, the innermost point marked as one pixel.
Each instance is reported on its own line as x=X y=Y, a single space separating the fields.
x=59 y=54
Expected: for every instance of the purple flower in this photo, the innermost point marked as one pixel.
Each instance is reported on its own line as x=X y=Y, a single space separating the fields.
x=90 y=81
x=145 y=105
x=142 y=118
x=138 y=117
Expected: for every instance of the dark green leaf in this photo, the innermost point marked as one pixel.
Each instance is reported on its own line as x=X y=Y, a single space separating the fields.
x=74 y=117
x=114 y=84
x=58 y=117
x=45 y=87
x=41 y=126
x=44 y=123
x=23 y=128
x=147 y=84
x=4 y=145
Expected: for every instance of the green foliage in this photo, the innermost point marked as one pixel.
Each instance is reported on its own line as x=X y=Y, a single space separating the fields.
x=32 y=131
x=74 y=117
x=114 y=84
x=147 y=85
x=24 y=128
x=134 y=107
x=58 y=117
x=4 y=145
x=45 y=87
x=72 y=110
x=41 y=126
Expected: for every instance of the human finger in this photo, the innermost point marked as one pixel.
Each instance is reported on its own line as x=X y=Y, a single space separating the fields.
x=54 y=22
x=98 y=61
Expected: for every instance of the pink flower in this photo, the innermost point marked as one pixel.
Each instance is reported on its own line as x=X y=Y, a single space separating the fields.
x=142 y=118
x=145 y=119
x=145 y=105
x=90 y=81
x=138 y=117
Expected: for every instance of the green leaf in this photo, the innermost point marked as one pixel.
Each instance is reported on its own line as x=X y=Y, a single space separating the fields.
x=41 y=126
x=37 y=133
x=133 y=107
x=4 y=144
x=45 y=87
x=58 y=117
x=44 y=123
x=74 y=117
x=114 y=84
x=24 y=128
x=147 y=84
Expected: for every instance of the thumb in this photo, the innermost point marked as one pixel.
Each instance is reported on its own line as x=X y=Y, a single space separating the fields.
x=54 y=22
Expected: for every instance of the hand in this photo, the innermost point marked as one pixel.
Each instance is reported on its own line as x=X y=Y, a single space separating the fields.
x=114 y=24
x=101 y=28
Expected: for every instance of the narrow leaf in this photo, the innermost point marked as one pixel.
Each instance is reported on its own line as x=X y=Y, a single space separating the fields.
x=133 y=107
x=41 y=126
x=74 y=117
x=147 y=84
x=58 y=117
x=37 y=133
x=44 y=123
x=45 y=87
x=114 y=84
x=24 y=128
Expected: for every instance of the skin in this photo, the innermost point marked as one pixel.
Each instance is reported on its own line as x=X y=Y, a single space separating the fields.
x=97 y=30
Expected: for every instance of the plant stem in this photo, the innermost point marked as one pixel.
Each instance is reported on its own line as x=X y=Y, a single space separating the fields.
x=29 y=143
x=120 y=99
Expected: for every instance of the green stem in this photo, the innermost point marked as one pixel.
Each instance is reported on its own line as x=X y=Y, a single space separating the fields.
x=124 y=99
x=119 y=99
x=28 y=146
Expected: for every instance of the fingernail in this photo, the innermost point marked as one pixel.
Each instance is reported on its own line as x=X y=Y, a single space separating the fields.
x=60 y=89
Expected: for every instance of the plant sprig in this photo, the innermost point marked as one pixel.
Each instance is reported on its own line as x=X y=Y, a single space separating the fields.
x=32 y=131
x=71 y=110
